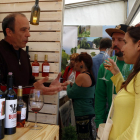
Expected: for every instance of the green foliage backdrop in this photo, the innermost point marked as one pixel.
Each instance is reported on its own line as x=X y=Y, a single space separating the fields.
x=64 y=63
x=97 y=42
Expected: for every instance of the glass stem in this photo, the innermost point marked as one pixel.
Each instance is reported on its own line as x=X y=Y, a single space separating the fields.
x=104 y=73
x=35 y=120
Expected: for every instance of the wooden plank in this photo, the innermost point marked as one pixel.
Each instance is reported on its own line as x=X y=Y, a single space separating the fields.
x=43 y=26
x=51 y=75
x=44 y=16
x=54 y=67
x=51 y=99
x=42 y=118
x=13 y=1
x=44 y=46
x=45 y=36
x=41 y=36
x=20 y=7
x=48 y=108
x=52 y=57
x=48 y=132
x=46 y=26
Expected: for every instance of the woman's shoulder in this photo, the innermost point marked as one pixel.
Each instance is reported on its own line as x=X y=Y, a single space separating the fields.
x=83 y=75
x=82 y=78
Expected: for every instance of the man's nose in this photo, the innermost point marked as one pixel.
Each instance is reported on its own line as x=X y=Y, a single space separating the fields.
x=28 y=34
x=115 y=42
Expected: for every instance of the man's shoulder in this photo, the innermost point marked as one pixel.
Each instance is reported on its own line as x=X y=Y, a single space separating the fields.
x=23 y=51
x=97 y=56
x=97 y=59
x=2 y=45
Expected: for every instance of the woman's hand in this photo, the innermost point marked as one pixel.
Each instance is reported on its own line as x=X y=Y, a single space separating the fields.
x=111 y=66
x=64 y=85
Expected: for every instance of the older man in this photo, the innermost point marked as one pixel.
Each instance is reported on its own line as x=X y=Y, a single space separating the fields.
x=13 y=58
x=105 y=89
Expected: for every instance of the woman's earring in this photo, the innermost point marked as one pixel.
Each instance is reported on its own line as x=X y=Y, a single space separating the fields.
x=81 y=66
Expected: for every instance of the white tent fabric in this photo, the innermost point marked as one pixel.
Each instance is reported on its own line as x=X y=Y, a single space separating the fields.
x=69 y=38
x=74 y=1
x=130 y=5
x=101 y=14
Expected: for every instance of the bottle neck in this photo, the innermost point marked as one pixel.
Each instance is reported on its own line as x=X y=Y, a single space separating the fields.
x=27 y=49
x=9 y=86
x=19 y=97
x=35 y=58
x=36 y=2
x=10 y=82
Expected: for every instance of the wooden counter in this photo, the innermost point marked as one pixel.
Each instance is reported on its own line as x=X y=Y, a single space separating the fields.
x=48 y=132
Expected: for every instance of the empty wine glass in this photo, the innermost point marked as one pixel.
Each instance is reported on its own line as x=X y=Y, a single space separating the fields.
x=108 y=53
x=126 y=70
x=36 y=102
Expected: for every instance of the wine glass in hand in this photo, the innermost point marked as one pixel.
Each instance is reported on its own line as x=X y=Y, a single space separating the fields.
x=108 y=53
x=36 y=102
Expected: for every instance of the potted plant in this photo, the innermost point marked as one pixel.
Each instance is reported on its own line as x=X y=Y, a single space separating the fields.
x=69 y=133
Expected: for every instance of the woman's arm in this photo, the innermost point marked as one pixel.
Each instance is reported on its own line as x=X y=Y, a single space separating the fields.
x=117 y=81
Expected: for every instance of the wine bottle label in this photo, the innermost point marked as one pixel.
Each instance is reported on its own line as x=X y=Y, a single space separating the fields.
x=23 y=113
x=10 y=113
x=35 y=69
x=46 y=68
x=2 y=108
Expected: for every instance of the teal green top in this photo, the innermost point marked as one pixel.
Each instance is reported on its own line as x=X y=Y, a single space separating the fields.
x=103 y=93
x=82 y=99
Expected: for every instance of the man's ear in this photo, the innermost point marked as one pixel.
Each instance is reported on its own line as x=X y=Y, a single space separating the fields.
x=8 y=32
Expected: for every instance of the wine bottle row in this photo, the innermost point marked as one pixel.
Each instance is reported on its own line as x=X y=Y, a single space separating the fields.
x=12 y=109
x=45 y=67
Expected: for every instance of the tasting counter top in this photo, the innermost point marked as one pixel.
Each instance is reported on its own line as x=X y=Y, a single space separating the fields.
x=48 y=132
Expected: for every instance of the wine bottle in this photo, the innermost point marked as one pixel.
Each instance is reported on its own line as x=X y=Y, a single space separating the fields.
x=21 y=109
x=10 y=107
x=2 y=112
x=35 y=66
x=27 y=50
x=45 y=67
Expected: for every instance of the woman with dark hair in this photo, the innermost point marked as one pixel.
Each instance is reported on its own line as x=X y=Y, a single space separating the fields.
x=126 y=117
x=82 y=93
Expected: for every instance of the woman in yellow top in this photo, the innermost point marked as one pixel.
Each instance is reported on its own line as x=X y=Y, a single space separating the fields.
x=126 y=117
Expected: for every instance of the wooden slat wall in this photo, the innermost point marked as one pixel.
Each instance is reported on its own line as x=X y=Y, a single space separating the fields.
x=49 y=112
x=19 y=1
x=45 y=39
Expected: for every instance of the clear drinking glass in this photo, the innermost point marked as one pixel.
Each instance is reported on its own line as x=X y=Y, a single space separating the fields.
x=108 y=53
x=36 y=102
x=126 y=70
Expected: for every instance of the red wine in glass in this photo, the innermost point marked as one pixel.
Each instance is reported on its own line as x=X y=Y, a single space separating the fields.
x=36 y=102
x=35 y=110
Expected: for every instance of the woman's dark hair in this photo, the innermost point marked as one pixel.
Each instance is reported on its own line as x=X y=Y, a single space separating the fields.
x=86 y=58
x=134 y=34
x=9 y=22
